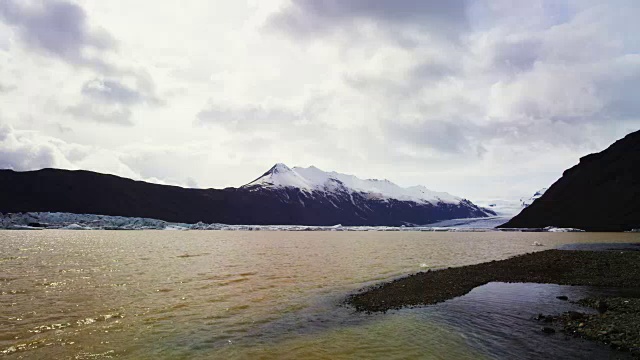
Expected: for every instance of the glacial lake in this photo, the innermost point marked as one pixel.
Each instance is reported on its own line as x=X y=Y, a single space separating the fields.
x=269 y=295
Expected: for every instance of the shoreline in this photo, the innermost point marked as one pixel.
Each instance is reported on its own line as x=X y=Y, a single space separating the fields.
x=619 y=269
x=612 y=269
x=616 y=323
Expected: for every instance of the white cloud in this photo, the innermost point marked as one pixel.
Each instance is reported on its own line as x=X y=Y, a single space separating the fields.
x=476 y=98
x=27 y=150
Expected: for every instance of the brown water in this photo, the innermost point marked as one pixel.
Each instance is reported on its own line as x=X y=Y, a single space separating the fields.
x=266 y=295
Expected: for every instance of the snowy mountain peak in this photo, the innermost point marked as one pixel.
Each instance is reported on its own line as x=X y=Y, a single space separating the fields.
x=280 y=175
x=312 y=179
x=279 y=168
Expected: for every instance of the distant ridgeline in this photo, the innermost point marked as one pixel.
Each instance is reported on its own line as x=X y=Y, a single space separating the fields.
x=298 y=196
x=601 y=193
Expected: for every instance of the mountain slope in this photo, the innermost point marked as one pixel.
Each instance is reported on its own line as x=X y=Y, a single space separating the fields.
x=277 y=197
x=601 y=193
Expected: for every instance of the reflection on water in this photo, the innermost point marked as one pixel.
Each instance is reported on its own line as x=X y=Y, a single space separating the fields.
x=498 y=320
x=155 y=294
x=601 y=246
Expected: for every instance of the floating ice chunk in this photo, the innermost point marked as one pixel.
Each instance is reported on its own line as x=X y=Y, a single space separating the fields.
x=75 y=227
x=176 y=228
x=556 y=229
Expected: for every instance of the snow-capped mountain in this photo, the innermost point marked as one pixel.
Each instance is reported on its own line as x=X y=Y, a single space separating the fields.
x=312 y=179
x=282 y=196
x=367 y=201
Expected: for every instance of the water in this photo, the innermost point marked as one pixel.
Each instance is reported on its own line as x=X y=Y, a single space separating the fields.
x=266 y=295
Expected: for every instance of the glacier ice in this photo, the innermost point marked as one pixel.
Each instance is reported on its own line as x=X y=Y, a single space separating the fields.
x=68 y=221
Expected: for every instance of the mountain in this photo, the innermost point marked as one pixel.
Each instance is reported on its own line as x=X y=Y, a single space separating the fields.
x=601 y=193
x=299 y=196
x=313 y=180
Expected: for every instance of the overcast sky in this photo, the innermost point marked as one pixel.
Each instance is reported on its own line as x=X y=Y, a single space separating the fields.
x=479 y=98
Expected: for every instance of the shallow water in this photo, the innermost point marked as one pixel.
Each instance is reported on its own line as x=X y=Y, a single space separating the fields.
x=267 y=295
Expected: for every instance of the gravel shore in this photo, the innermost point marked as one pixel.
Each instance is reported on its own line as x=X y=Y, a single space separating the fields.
x=592 y=268
x=617 y=323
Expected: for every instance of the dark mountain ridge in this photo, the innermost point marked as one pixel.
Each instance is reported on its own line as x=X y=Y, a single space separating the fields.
x=86 y=192
x=600 y=193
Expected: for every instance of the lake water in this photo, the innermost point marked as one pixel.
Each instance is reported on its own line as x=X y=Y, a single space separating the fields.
x=266 y=295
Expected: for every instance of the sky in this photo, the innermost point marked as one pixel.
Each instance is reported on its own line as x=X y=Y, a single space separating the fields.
x=482 y=99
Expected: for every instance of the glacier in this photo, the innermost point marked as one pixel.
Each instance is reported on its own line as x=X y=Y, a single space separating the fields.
x=69 y=221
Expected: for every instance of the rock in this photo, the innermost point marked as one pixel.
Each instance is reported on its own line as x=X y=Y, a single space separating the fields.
x=574 y=315
x=544 y=318
x=601 y=306
x=562 y=297
x=548 y=330
x=618 y=345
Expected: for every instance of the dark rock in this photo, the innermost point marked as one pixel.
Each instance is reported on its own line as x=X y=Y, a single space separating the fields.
x=601 y=306
x=544 y=318
x=562 y=297
x=548 y=330
x=574 y=315
x=539 y=317
x=601 y=193
x=619 y=345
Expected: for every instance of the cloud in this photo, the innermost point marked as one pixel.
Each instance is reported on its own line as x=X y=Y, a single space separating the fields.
x=111 y=91
x=110 y=101
x=578 y=72
x=7 y=88
x=317 y=17
x=102 y=113
x=441 y=136
x=27 y=151
x=61 y=29
x=455 y=95
x=22 y=150
x=247 y=117
x=57 y=28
